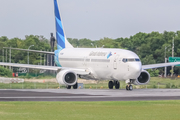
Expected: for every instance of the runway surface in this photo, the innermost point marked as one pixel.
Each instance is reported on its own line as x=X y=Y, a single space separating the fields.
x=88 y=95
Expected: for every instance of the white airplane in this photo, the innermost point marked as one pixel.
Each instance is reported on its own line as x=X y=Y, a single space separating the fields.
x=93 y=63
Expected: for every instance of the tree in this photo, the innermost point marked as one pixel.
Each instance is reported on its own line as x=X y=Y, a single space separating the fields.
x=150 y=47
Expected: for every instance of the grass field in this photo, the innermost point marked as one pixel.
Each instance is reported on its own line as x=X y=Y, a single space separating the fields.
x=137 y=110
x=154 y=83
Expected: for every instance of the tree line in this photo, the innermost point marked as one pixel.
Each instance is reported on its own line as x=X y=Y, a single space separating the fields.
x=150 y=47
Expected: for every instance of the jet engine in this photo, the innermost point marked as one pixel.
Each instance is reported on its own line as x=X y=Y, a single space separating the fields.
x=66 y=77
x=143 y=79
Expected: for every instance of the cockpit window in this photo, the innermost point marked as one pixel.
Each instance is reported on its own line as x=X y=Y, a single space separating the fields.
x=131 y=60
x=137 y=59
x=124 y=60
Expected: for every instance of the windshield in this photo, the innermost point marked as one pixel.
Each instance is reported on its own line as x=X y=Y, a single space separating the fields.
x=131 y=60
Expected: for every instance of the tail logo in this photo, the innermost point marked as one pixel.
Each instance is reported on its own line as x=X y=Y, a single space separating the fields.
x=109 y=55
x=59 y=28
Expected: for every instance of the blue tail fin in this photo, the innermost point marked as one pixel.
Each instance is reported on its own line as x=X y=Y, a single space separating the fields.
x=60 y=35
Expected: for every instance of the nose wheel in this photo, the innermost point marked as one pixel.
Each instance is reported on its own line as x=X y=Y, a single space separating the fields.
x=129 y=87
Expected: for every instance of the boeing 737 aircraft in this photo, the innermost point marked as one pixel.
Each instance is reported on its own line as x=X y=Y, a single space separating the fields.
x=93 y=63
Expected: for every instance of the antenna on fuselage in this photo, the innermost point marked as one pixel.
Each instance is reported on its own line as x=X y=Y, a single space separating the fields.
x=92 y=44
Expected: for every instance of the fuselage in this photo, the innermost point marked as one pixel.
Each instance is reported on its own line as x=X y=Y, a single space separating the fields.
x=103 y=64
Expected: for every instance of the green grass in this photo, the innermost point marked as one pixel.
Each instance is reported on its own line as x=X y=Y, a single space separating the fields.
x=154 y=83
x=38 y=77
x=164 y=82
x=30 y=85
x=137 y=110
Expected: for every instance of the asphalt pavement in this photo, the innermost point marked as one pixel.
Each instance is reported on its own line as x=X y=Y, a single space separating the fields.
x=88 y=95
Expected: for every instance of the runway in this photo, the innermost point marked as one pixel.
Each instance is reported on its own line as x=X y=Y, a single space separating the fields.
x=88 y=95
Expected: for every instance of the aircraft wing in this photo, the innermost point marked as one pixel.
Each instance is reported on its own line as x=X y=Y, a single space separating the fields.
x=37 y=51
x=151 y=66
x=78 y=71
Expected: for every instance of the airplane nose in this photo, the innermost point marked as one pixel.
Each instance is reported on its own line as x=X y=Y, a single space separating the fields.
x=135 y=69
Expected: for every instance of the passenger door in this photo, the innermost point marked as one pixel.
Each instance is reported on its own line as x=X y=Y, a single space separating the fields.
x=115 y=63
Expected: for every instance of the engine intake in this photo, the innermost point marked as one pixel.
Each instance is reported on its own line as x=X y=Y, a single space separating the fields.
x=143 y=79
x=66 y=77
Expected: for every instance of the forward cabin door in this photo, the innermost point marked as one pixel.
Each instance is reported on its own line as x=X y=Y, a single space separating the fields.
x=115 y=62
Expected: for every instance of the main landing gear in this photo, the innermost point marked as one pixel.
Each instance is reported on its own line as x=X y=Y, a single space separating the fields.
x=112 y=84
x=129 y=87
x=74 y=86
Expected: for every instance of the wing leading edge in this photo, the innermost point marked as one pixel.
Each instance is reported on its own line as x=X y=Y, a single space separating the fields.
x=151 y=66
x=37 y=51
x=78 y=71
x=81 y=71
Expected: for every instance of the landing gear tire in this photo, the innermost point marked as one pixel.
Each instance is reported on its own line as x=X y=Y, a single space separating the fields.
x=68 y=87
x=129 y=87
x=111 y=84
x=117 y=84
x=75 y=86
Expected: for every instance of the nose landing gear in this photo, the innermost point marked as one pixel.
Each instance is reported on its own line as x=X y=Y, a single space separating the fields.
x=129 y=87
x=112 y=84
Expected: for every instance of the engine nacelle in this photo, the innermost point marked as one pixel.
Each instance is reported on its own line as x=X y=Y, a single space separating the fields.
x=143 y=79
x=66 y=77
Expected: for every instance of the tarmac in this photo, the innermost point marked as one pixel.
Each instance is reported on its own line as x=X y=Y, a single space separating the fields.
x=88 y=95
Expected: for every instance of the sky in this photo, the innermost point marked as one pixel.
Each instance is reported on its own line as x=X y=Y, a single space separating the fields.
x=92 y=19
